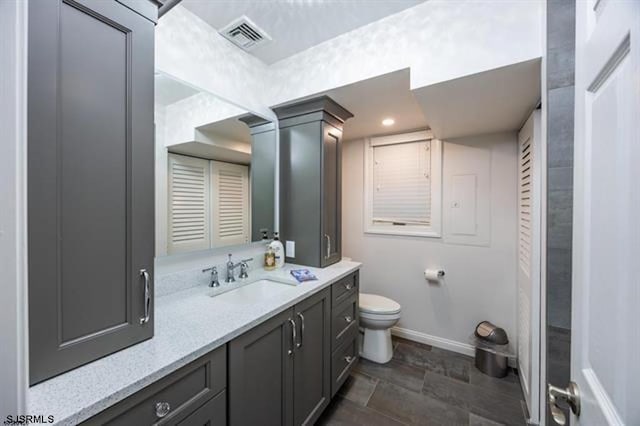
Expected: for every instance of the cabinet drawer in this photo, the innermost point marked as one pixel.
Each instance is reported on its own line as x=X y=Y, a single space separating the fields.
x=344 y=321
x=212 y=413
x=342 y=362
x=182 y=391
x=345 y=288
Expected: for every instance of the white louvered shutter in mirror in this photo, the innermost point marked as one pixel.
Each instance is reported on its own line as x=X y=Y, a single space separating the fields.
x=229 y=204
x=189 y=214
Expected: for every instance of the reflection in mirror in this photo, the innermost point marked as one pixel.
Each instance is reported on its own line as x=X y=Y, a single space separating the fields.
x=215 y=166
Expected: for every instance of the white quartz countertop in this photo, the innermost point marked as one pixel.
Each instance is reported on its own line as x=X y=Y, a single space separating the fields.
x=188 y=324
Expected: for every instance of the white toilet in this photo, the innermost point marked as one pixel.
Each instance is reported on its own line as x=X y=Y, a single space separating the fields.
x=377 y=315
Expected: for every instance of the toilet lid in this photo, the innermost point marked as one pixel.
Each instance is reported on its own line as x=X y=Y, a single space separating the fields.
x=374 y=304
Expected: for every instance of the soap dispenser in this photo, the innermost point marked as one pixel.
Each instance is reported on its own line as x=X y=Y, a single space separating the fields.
x=269 y=259
x=278 y=250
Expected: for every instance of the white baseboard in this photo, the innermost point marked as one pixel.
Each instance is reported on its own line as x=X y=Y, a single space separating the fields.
x=438 y=342
x=442 y=343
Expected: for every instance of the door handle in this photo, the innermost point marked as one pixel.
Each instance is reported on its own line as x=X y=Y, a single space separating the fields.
x=293 y=335
x=328 y=245
x=570 y=395
x=299 y=344
x=147 y=296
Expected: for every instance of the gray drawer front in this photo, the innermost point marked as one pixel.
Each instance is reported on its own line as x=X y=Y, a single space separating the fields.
x=344 y=288
x=342 y=362
x=212 y=413
x=344 y=321
x=184 y=390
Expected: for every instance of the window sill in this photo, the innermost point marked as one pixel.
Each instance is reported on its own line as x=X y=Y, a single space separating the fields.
x=425 y=233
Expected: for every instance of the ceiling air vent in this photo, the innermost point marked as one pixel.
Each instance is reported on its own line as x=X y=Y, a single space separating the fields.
x=244 y=33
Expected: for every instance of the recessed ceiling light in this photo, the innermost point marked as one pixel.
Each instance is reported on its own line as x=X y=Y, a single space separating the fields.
x=388 y=122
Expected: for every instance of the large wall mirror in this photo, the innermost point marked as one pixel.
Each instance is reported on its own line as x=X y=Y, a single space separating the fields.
x=215 y=170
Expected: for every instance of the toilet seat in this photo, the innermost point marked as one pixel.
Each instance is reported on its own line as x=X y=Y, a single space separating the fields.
x=374 y=304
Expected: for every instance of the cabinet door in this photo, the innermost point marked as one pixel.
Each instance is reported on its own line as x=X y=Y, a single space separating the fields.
x=189 y=206
x=229 y=204
x=312 y=359
x=331 y=195
x=91 y=181
x=260 y=383
x=213 y=413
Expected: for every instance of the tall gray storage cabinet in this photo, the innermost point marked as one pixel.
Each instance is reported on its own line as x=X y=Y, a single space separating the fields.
x=90 y=180
x=263 y=174
x=310 y=179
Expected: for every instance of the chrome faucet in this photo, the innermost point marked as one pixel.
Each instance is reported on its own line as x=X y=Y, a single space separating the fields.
x=244 y=268
x=214 y=276
x=230 y=267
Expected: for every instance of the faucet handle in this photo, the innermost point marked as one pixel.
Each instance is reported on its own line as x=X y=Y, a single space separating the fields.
x=244 y=268
x=214 y=276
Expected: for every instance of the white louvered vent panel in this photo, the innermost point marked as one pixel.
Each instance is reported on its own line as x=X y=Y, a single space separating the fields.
x=524 y=205
x=244 y=33
x=402 y=183
x=230 y=203
x=188 y=203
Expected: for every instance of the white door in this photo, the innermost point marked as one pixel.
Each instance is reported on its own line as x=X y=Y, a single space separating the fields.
x=605 y=347
x=529 y=213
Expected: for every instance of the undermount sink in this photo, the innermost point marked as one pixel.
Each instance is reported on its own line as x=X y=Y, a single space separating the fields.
x=254 y=292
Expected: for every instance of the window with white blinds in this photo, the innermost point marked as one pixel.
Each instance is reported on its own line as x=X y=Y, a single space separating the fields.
x=230 y=203
x=188 y=204
x=402 y=184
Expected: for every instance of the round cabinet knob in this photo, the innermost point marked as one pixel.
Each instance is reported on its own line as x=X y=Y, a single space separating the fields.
x=348 y=319
x=348 y=358
x=162 y=409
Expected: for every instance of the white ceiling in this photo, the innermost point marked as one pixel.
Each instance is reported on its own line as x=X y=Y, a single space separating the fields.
x=169 y=90
x=296 y=25
x=228 y=129
x=488 y=102
x=372 y=100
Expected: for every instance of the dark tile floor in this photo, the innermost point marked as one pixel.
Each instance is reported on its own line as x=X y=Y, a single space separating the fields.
x=422 y=385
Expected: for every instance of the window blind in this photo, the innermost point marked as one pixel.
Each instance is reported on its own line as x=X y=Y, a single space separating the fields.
x=402 y=183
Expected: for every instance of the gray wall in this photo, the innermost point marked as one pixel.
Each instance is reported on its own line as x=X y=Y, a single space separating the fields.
x=560 y=111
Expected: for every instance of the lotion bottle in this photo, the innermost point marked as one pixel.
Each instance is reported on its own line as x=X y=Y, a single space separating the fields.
x=278 y=250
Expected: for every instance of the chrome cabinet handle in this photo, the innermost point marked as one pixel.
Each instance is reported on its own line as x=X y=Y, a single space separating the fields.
x=349 y=359
x=293 y=335
x=348 y=319
x=348 y=286
x=328 y=245
x=147 y=296
x=299 y=344
x=162 y=409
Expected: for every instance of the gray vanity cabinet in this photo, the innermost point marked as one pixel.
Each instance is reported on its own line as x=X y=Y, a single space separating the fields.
x=312 y=358
x=261 y=374
x=310 y=179
x=279 y=372
x=90 y=180
x=192 y=395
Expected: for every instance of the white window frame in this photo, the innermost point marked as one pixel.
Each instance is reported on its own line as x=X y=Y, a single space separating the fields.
x=434 y=230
